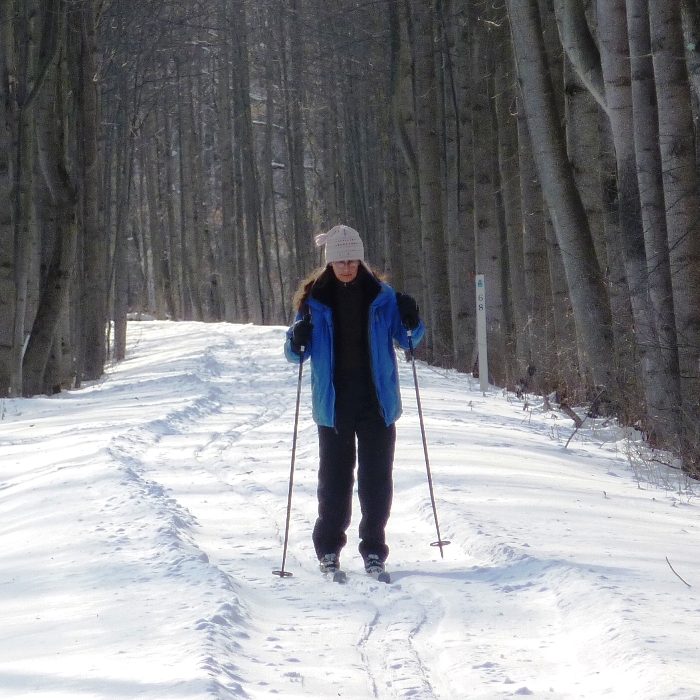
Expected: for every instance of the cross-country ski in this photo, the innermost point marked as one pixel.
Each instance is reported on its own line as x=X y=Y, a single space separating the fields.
x=382 y=577
x=340 y=577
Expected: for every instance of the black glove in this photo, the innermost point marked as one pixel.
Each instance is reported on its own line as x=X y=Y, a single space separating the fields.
x=408 y=311
x=301 y=334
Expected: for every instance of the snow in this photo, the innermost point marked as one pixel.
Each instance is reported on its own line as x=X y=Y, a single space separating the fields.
x=141 y=518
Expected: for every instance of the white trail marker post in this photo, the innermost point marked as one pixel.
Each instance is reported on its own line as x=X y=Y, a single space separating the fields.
x=481 y=333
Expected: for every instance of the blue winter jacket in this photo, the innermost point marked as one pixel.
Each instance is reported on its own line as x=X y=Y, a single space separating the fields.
x=385 y=327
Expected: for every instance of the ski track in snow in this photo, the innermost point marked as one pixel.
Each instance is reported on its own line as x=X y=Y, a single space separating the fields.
x=175 y=470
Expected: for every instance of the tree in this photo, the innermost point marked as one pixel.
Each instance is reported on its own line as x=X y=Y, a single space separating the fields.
x=664 y=404
x=429 y=176
x=681 y=194
x=584 y=278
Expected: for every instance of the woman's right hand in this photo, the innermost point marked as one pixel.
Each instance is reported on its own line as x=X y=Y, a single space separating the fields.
x=301 y=334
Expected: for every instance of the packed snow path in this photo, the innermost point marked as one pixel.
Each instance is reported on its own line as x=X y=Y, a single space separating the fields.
x=141 y=518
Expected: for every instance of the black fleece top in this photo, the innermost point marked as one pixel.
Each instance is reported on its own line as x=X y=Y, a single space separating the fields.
x=350 y=318
x=349 y=302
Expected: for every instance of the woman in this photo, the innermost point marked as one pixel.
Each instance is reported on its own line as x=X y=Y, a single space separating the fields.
x=347 y=322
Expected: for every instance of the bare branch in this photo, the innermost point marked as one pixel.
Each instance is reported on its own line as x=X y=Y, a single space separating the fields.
x=677 y=574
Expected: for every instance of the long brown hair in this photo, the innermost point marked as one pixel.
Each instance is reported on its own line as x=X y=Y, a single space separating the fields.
x=304 y=288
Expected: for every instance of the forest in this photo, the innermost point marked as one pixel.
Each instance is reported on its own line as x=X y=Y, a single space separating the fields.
x=175 y=158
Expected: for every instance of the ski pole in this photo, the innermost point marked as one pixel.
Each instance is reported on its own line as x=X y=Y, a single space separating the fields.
x=281 y=572
x=440 y=542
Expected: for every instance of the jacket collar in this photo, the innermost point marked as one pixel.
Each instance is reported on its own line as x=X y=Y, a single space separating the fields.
x=322 y=288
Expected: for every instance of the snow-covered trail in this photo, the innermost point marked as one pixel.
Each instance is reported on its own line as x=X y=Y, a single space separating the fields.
x=140 y=520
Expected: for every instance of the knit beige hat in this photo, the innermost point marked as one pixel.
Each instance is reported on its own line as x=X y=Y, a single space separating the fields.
x=342 y=243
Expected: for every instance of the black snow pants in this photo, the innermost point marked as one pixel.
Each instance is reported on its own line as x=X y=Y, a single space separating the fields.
x=357 y=416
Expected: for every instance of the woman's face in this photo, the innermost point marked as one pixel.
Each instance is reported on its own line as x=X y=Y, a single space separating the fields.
x=346 y=270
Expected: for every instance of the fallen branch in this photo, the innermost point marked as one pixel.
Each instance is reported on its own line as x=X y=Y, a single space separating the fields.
x=565 y=408
x=677 y=574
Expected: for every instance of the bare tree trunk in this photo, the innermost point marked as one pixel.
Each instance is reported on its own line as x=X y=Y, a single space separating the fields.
x=567 y=360
x=429 y=172
x=488 y=253
x=394 y=244
x=240 y=242
x=143 y=234
x=457 y=187
x=616 y=278
x=410 y=240
x=93 y=309
x=229 y=270
x=505 y=85
x=175 y=242
x=22 y=174
x=196 y=232
x=325 y=148
x=292 y=77
x=120 y=275
x=618 y=78
x=269 y=202
x=54 y=296
x=583 y=147
x=466 y=327
x=52 y=305
x=681 y=192
x=691 y=38
x=583 y=118
x=579 y=46
x=664 y=418
x=244 y=134
x=6 y=217
x=161 y=270
x=401 y=106
x=192 y=303
x=585 y=281
x=121 y=295
x=537 y=289
x=190 y=199
x=554 y=51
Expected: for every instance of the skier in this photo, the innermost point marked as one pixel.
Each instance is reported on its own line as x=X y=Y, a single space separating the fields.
x=347 y=319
